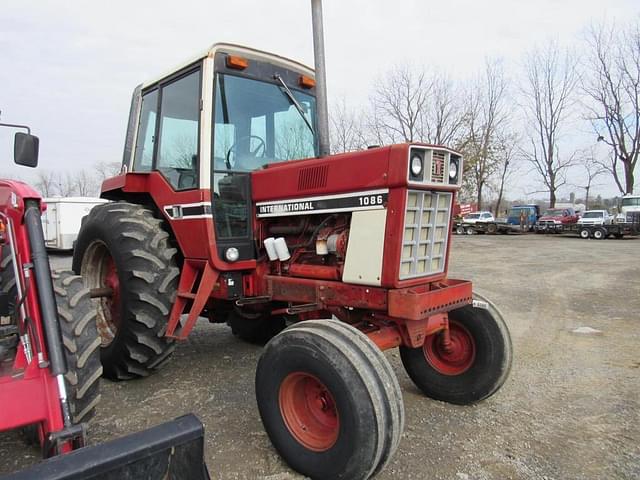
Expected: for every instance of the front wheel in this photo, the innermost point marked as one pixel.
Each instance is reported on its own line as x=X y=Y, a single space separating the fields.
x=584 y=233
x=77 y=318
x=473 y=367
x=329 y=401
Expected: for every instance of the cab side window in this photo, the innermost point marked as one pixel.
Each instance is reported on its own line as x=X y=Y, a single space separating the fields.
x=143 y=157
x=177 y=153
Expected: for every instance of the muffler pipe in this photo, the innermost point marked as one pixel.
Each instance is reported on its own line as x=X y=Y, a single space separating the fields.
x=321 y=79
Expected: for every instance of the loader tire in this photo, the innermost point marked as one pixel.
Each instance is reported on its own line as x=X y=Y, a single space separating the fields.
x=329 y=401
x=257 y=328
x=8 y=279
x=77 y=319
x=125 y=248
x=474 y=368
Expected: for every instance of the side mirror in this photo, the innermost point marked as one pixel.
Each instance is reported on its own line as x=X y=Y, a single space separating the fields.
x=25 y=149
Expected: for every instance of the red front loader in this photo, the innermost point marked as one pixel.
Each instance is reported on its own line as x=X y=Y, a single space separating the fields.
x=49 y=357
x=228 y=207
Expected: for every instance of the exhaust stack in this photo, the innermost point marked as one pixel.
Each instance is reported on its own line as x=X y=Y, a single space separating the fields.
x=321 y=78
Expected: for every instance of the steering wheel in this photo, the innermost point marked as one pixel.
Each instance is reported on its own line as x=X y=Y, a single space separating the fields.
x=255 y=152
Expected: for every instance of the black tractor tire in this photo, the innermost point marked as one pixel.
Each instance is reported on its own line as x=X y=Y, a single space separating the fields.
x=319 y=370
x=599 y=234
x=257 y=328
x=123 y=246
x=492 y=228
x=8 y=278
x=8 y=332
x=476 y=368
x=77 y=319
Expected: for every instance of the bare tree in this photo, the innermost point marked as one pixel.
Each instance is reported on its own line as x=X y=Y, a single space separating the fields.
x=398 y=106
x=592 y=169
x=46 y=183
x=612 y=83
x=506 y=154
x=485 y=117
x=548 y=93
x=347 y=129
x=106 y=170
x=84 y=184
x=444 y=116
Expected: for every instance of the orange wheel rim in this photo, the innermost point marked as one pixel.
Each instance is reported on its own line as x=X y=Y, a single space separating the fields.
x=309 y=411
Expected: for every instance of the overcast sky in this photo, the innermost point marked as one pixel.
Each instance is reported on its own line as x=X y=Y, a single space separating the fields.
x=67 y=68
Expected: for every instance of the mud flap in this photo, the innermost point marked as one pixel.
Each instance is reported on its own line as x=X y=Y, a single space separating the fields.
x=172 y=450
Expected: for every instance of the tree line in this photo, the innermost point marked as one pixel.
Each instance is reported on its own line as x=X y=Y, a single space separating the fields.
x=505 y=125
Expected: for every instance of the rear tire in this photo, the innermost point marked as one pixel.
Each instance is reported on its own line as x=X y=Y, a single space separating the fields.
x=124 y=247
x=329 y=400
x=492 y=228
x=584 y=233
x=477 y=366
x=77 y=319
x=599 y=234
x=460 y=230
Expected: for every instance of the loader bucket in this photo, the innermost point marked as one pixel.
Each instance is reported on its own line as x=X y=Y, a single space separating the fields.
x=172 y=450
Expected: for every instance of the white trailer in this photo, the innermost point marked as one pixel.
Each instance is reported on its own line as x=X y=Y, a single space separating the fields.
x=61 y=220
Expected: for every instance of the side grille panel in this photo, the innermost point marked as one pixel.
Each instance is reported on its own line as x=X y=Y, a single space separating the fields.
x=426 y=232
x=313 y=177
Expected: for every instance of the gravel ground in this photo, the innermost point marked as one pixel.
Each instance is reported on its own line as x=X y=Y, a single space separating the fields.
x=569 y=410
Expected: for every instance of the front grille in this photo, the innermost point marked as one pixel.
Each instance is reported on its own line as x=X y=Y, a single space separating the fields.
x=437 y=166
x=426 y=232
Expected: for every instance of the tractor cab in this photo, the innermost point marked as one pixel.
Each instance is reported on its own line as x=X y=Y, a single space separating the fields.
x=212 y=121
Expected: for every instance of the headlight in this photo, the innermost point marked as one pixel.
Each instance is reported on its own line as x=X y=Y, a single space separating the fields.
x=416 y=165
x=232 y=254
x=453 y=169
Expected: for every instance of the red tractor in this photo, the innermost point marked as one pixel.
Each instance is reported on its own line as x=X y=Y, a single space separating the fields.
x=228 y=207
x=49 y=346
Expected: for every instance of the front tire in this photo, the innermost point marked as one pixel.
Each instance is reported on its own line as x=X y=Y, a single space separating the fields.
x=584 y=233
x=599 y=234
x=477 y=364
x=329 y=401
x=124 y=248
x=77 y=319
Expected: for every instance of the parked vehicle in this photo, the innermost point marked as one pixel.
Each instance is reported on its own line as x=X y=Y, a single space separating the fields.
x=595 y=217
x=554 y=219
x=532 y=212
x=629 y=205
x=478 y=217
x=61 y=220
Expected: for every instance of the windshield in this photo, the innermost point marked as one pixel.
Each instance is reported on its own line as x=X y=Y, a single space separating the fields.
x=593 y=215
x=515 y=212
x=631 y=202
x=256 y=123
x=553 y=212
x=473 y=215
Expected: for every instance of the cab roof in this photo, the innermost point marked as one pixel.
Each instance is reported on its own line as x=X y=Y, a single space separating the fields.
x=247 y=52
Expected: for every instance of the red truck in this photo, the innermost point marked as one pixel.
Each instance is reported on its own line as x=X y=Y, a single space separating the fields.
x=555 y=219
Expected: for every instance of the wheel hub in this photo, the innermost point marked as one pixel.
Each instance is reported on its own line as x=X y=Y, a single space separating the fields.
x=109 y=320
x=452 y=357
x=309 y=411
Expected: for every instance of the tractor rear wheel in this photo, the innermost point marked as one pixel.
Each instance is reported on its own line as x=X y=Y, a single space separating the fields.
x=125 y=251
x=329 y=400
x=473 y=367
x=255 y=327
x=77 y=319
